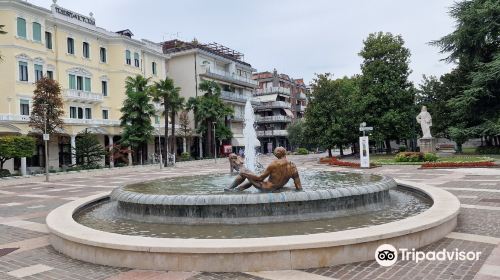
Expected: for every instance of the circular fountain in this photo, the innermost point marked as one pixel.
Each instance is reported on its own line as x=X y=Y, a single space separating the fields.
x=191 y=224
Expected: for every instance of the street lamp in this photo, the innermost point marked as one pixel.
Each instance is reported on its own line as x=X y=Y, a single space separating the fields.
x=45 y=140
x=159 y=146
x=215 y=144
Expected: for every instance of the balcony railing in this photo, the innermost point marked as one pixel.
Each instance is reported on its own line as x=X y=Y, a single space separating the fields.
x=300 y=108
x=83 y=96
x=301 y=96
x=273 y=90
x=233 y=96
x=231 y=77
x=92 y=122
x=274 y=132
x=271 y=119
x=14 y=118
x=237 y=118
x=274 y=104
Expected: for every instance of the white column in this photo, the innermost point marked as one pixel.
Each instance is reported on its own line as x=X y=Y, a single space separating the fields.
x=184 y=144
x=23 y=166
x=201 y=147
x=110 y=145
x=73 y=147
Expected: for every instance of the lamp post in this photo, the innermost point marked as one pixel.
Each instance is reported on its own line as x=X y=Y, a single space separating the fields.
x=159 y=146
x=45 y=140
x=215 y=144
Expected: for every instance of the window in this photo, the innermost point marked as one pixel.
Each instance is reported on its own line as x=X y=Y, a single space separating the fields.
x=88 y=113
x=37 y=32
x=38 y=72
x=71 y=46
x=87 y=84
x=80 y=113
x=103 y=55
x=25 y=107
x=86 y=50
x=104 y=85
x=105 y=114
x=48 y=40
x=79 y=82
x=136 y=59
x=157 y=120
x=127 y=57
x=72 y=81
x=50 y=74
x=153 y=65
x=72 y=112
x=23 y=71
x=21 y=27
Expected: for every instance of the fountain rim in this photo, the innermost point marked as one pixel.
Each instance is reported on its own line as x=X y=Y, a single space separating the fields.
x=61 y=224
x=122 y=195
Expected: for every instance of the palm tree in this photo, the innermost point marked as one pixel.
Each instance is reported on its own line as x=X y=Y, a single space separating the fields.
x=136 y=113
x=208 y=109
x=163 y=92
x=176 y=105
x=2 y=32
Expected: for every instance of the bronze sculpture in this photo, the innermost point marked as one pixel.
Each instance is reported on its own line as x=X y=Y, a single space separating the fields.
x=235 y=163
x=279 y=172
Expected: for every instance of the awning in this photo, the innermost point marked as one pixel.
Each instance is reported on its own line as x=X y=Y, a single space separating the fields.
x=240 y=142
x=288 y=113
x=266 y=98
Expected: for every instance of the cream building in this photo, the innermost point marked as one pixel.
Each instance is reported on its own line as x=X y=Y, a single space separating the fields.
x=90 y=63
x=190 y=63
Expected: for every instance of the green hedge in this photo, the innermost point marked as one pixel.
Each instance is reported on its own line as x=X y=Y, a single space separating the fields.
x=488 y=150
x=302 y=151
x=415 y=157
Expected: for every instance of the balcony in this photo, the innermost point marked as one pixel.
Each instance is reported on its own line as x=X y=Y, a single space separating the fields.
x=83 y=96
x=233 y=96
x=229 y=77
x=301 y=96
x=92 y=122
x=238 y=118
x=274 y=132
x=300 y=108
x=273 y=90
x=273 y=104
x=272 y=119
x=14 y=118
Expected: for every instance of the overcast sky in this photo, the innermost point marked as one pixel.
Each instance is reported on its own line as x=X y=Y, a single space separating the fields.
x=297 y=37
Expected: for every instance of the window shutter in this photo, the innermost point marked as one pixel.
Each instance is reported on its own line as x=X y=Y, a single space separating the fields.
x=87 y=84
x=37 y=32
x=21 y=27
x=72 y=82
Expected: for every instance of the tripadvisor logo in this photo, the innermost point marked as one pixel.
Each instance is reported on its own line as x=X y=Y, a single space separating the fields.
x=387 y=255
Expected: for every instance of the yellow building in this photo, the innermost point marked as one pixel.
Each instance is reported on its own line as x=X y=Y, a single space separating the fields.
x=90 y=63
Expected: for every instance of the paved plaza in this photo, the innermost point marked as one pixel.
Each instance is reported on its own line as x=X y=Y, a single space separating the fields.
x=25 y=252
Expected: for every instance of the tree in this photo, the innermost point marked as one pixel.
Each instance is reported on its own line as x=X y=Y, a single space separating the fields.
x=388 y=96
x=332 y=115
x=296 y=134
x=185 y=130
x=88 y=151
x=209 y=108
x=137 y=112
x=176 y=104
x=475 y=46
x=15 y=147
x=47 y=107
x=2 y=32
x=164 y=91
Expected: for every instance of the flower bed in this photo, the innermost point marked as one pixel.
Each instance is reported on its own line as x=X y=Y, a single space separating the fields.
x=335 y=161
x=458 y=164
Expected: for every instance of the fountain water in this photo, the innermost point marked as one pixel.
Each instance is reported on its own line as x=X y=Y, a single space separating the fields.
x=250 y=137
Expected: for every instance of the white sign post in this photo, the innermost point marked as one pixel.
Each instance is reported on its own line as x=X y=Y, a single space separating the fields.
x=364 y=146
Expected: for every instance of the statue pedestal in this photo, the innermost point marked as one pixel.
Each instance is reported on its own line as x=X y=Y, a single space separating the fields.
x=427 y=145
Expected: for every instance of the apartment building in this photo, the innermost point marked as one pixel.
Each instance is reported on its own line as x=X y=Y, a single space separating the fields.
x=89 y=62
x=190 y=63
x=281 y=100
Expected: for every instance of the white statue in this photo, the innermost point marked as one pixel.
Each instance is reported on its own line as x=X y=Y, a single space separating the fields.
x=425 y=121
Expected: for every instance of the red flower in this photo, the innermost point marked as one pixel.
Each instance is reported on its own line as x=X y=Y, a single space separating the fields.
x=458 y=164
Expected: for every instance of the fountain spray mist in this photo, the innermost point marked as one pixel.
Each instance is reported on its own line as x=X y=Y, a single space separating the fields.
x=250 y=137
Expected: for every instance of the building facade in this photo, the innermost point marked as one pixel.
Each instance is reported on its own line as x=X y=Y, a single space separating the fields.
x=190 y=63
x=90 y=63
x=281 y=101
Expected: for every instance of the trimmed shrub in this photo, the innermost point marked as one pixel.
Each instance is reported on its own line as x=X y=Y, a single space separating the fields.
x=409 y=157
x=488 y=150
x=302 y=151
x=402 y=148
x=4 y=173
x=430 y=157
x=185 y=156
